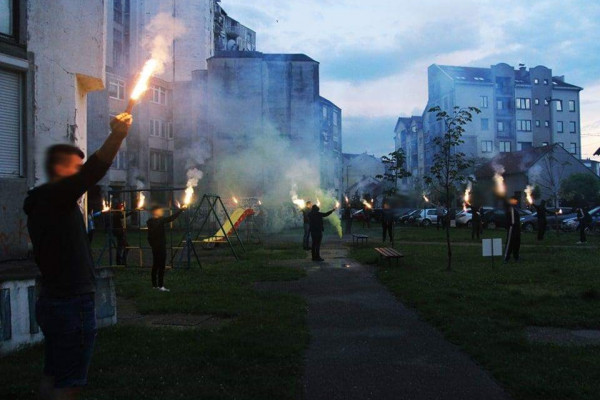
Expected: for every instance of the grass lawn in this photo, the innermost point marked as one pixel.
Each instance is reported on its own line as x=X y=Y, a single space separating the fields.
x=256 y=355
x=485 y=310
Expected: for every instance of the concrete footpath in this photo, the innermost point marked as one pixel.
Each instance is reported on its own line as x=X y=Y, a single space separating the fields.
x=366 y=345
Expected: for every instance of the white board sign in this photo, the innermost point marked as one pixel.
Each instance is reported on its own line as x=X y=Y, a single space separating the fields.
x=491 y=247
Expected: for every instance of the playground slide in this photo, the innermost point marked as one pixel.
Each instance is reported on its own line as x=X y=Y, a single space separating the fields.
x=237 y=217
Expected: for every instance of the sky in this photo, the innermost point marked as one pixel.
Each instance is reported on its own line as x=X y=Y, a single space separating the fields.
x=374 y=54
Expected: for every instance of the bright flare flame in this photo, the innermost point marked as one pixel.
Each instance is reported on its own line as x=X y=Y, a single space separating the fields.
x=426 y=198
x=299 y=202
x=235 y=200
x=528 y=194
x=347 y=200
x=367 y=204
x=337 y=204
x=189 y=193
x=318 y=202
x=500 y=188
x=142 y=84
x=141 y=201
x=178 y=204
x=260 y=203
x=105 y=206
x=560 y=211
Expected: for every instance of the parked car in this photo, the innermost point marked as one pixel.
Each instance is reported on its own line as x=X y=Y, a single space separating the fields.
x=360 y=215
x=570 y=224
x=465 y=217
x=408 y=216
x=530 y=222
x=426 y=217
x=496 y=218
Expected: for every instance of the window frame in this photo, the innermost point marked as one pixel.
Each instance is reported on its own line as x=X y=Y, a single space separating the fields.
x=560 y=127
x=573 y=108
x=502 y=146
x=559 y=105
x=120 y=84
x=572 y=127
x=487 y=146
x=484 y=102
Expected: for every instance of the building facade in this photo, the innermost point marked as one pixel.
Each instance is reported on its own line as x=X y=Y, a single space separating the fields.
x=520 y=108
x=358 y=169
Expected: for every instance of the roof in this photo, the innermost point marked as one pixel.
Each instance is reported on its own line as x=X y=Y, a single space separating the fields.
x=408 y=121
x=264 y=56
x=515 y=162
x=329 y=102
x=484 y=75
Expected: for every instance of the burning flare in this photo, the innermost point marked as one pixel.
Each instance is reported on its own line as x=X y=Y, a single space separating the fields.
x=528 y=194
x=467 y=196
x=141 y=200
x=299 y=202
x=105 y=206
x=189 y=193
x=367 y=204
x=337 y=204
x=142 y=83
x=425 y=198
x=347 y=200
x=500 y=188
x=235 y=200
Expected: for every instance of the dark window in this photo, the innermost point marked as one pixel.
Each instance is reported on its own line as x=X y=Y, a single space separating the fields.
x=559 y=127
x=538 y=123
x=572 y=127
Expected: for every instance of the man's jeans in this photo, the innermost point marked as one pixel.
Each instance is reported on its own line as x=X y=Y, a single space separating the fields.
x=306 y=238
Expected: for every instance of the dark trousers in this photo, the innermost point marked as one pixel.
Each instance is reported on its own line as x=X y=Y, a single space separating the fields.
x=513 y=243
x=122 y=247
x=388 y=228
x=475 y=229
x=317 y=238
x=348 y=226
x=541 y=230
x=91 y=235
x=159 y=260
x=582 y=235
x=306 y=237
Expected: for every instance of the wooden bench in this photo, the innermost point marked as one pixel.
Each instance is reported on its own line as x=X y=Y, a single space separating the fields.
x=360 y=239
x=389 y=253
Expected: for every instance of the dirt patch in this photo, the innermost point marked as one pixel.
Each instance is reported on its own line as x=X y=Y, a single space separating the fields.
x=127 y=314
x=562 y=336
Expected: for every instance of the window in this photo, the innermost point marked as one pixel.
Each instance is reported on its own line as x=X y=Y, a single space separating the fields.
x=8 y=14
x=523 y=146
x=547 y=124
x=573 y=148
x=572 y=127
x=545 y=81
x=544 y=143
x=499 y=104
x=170 y=133
x=116 y=89
x=484 y=124
x=120 y=161
x=118 y=11
x=523 y=103
x=546 y=102
x=536 y=81
x=160 y=161
x=536 y=102
x=157 y=128
x=324 y=111
x=484 y=102
x=336 y=118
x=559 y=127
x=159 y=95
x=504 y=147
x=524 y=125
x=559 y=105
x=11 y=153
x=487 y=146
x=500 y=126
x=538 y=123
x=572 y=105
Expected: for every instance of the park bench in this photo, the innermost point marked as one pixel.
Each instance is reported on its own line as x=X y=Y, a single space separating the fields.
x=389 y=254
x=360 y=239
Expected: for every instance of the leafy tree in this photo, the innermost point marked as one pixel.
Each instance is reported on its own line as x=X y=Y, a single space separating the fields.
x=449 y=164
x=395 y=169
x=579 y=189
x=551 y=175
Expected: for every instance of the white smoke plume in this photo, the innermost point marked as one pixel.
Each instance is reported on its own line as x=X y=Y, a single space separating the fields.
x=194 y=176
x=160 y=33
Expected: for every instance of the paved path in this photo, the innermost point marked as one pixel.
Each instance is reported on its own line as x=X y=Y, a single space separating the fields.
x=366 y=345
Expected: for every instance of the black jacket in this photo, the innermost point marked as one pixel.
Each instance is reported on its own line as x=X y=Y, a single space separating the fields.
x=513 y=218
x=57 y=231
x=541 y=213
x=156 y=229
x=316 y=220
x=305 y=213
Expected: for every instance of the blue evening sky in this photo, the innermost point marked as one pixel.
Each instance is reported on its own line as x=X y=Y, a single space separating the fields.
x=374 y=54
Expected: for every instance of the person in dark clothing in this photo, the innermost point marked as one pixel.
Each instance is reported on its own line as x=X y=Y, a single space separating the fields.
x=542 y=219
x=347 y=217
x=91 y=227
x=367 y=214
x=118 y=216
x=157 y=240
x=513 y=226
x=584 y=218
x=65 y=308
x=315 y=218
x=306 y=238
x=387 y=222
x=476 y=222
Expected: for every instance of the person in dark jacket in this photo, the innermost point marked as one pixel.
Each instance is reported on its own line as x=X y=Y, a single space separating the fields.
x=306 y=238
x=65 y=309
x=315 y=218
x=513 y=226
x=475 y=222
x=347 y=217
x=387 y=222
x=119 y=231
x=584 y=218
x=157 y=240
x=542 y=219
x=91 y=227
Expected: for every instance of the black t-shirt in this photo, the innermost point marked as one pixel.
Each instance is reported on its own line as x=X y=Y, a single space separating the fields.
x=58 y=234
x=156 y=229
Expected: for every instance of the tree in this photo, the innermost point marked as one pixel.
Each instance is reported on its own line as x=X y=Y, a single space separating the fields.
x=394 y=170
x=579 y=189
x=550 y=175
x=449 y=164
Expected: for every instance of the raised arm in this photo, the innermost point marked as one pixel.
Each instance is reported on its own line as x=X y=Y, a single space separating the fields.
x=327 y=214
x=171 y=218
